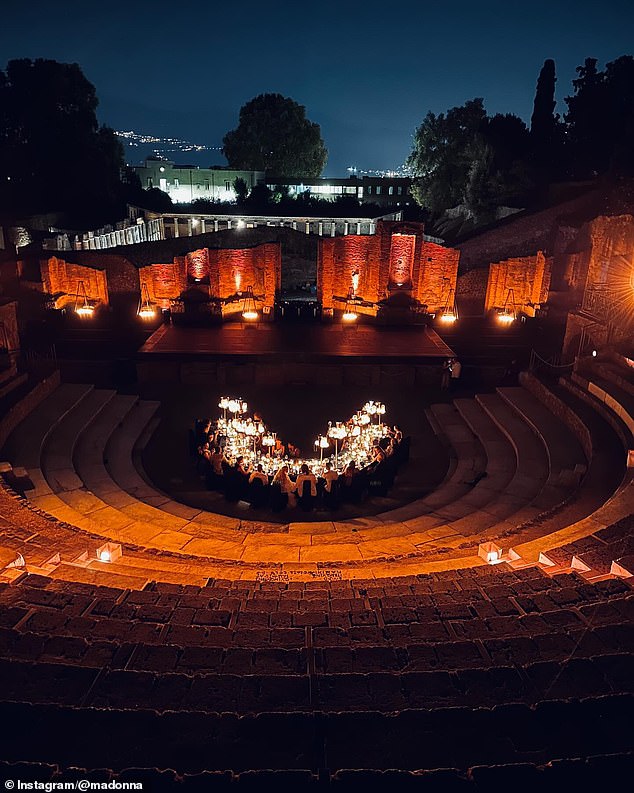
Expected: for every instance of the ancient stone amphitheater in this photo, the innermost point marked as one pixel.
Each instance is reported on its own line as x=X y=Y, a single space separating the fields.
x=479 y=638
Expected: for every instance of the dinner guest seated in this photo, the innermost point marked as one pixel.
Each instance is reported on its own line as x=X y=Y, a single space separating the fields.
x=306 y=486
x=204 y=458
x=286 y=487
x=215 y=473
x=258 y=487
x=258 y=473
x=378 y=454
x=236 y=480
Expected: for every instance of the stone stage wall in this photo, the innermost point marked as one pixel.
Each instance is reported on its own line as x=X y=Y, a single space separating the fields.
x=218 y=273
x=62 y=279
x=524 y=281
x=396 y=258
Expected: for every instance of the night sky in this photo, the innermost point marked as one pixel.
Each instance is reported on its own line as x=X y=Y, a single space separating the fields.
x=367 y=72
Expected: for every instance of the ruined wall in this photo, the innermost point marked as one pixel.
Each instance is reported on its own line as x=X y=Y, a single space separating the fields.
x=345 y=262
x=220 y=273
x=437 y=276
x=396 y=257
x=164 y=282
x=611 y=252
x=524 y=280
x=233 y=271
x=63 y=278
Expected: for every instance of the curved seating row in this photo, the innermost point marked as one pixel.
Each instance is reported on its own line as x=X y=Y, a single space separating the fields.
x=90 y=495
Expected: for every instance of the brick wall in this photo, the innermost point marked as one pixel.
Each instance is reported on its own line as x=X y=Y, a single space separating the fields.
x=164 y=282
x=438 y=275
x=524 y=281
x=395 y=257
x=61 y=277
x=233 y=271
x=228 y=272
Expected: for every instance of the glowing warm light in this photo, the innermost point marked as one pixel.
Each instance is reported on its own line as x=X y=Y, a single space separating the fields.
x=147 y=312
x=350 y=316
x=104 y=555
x=352 y=441
x=250 y=315
x=85 y=311
x=492 y=557
x=448 y=319
x=594 y=353
x=355 y=282
x=506 y=319
x=240 y=224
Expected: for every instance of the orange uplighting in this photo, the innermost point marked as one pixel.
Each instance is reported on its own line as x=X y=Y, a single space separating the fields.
x=448 y=319
x=350 y=316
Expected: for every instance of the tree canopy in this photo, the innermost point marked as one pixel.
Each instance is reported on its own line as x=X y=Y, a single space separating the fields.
x=465 y=157
x=600 y=118
x=54 y=155
x=274 y=135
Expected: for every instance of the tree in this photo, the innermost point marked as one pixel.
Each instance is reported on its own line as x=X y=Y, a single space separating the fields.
x=600 y=118
x=53 y=153
x=543 y=119
x=547 y=134
x=241 y=189
x=467 y=157
x=443 y=153
x=274 y=135
x=155 y=200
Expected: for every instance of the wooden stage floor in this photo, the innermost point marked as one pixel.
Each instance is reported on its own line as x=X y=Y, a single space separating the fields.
x=299 y=342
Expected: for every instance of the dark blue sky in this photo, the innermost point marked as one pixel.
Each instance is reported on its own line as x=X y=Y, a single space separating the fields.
x=367 y=72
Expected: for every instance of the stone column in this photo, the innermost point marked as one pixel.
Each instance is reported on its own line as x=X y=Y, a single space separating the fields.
x=333 y=228
x=203 y=227
x=307 y=228
x=320 y=228
x=190 y=227
x=358 y=229
x=175 y=227
x=346 y=228
x=215 y=224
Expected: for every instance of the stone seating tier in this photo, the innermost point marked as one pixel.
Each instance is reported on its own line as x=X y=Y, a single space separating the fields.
x=99 y=501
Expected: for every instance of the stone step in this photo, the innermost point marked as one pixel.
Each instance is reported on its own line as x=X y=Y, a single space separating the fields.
x=24 y=446
x=57 y=453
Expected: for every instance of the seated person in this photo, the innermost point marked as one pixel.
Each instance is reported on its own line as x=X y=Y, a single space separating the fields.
x=349 y=473
x=378 y=455
x=293 y=451
x=286 y=484
x=258 y=473
x=329 y=477
x=216 y=459
x=306 y=475
x=204 y=457
x=242 y=467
